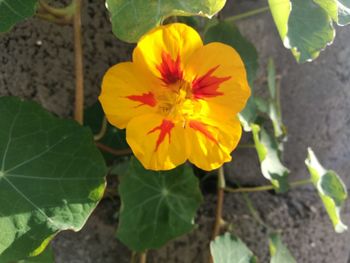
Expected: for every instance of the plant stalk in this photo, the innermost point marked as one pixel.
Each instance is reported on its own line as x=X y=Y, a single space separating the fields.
x=79 y=74
x=247 y=14
x=265 y=187
x=219 y=204
x=110 y=150
x=143 y=257
x=103 y=130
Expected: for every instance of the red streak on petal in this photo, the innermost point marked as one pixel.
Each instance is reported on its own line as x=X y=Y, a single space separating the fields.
x=199 y=126
x=207 y=86
x=170 y=69
x=165 y=129
x=144 y=99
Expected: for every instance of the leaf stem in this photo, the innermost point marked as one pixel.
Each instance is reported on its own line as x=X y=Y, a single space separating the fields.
x=220 y=201
x=103 y=130
x=254 y=212
x=265 y=187
x=143 y=257
x=133 y=257
x=61 y=16
x=247 y=14
x=79 y=74
x=245 y=145
x=115 y=152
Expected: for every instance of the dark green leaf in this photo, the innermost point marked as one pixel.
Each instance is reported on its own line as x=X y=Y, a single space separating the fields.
x=269 y=156
x=114 y=137
x=305 y=27
x=279 y=252
x=156 y=206
x=229 y=248
x=14 y=11
x=330 y=187
x=230 y=35
x=51 y=177
x=131 y=19
x=46 y=257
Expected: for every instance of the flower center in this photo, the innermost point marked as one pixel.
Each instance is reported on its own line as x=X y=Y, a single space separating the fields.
x=178 y=104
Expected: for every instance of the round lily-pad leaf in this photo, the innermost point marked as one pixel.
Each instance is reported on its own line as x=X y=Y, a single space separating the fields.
x=131 y=19
x=156 y=206
x=14 y=11
x=51 y=177
x=229 y=248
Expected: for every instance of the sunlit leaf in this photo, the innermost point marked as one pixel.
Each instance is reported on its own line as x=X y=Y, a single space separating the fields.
x=270 y=161
x=46 y=257
x=156 y=206
x=305 y=27
x=248 y=115
x=131 y=19
x=51 y=177
x=338 y=10
x=14 y=11
x=279 y=252
x=229 y=248
x=330 y=187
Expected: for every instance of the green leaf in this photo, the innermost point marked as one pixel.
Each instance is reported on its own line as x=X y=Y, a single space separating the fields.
x=276 y=119
x=156 y=206
x=51 y=177
x=338 y=10
x=330 y=187
x=230 y=35
x=14 y=11
x=249 y=114
x=279 y=252
x=269 y=156
x=114 y=137
x=132 y=19
x=229 y=248
x=304 y=27
x=46 y=257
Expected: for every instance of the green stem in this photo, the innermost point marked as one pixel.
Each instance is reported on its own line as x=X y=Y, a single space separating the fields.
x=103 y=130
x=247 y=14
x=245 y=145
x=254 y=212
x=61 y=16
x=265 y=187
x=143 y=257
x=57 y=11
x=133 y=258
x=219 y=203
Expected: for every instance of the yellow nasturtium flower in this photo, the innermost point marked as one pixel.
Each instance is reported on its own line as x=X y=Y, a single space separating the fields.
x=178 y=99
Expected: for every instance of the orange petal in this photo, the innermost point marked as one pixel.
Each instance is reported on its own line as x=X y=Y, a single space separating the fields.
x=218 y=76
x=126 y=94
x=211 y=142
x=158 y=143
x=165 y=50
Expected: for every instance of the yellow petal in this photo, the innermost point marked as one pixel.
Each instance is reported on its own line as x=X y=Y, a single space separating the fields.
x=165 y=50
x=211 y=142
x=126 y=94
x=218 y=76
x=158 y=143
